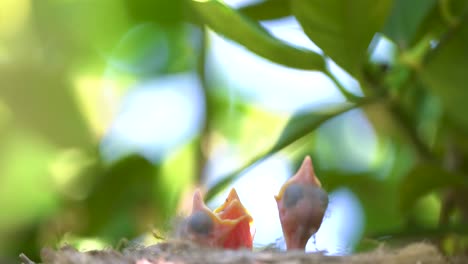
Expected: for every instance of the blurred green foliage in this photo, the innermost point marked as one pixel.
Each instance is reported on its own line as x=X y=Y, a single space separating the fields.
x=57 y=55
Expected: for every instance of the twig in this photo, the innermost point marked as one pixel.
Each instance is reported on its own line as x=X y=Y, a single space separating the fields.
x=447 y=35
x=25 y=259
x=407 y=126
x=445 y=12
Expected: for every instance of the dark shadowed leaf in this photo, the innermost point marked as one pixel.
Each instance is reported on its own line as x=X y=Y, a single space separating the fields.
x=267 y=10
x=445 y=15
x=425 y=178
x=165 y=12
x=405 y=20
x=119 y=197
x=343 y=29
x=231 y=24
x=445 y=74
x=377 y=197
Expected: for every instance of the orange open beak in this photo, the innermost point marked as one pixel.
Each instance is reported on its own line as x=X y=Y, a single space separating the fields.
x=227 y=227
x=240 y=236
x=206 y=228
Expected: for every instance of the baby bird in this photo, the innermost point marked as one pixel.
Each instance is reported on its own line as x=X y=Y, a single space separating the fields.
x=227 y=227
x=241 y=236
x=301 y=204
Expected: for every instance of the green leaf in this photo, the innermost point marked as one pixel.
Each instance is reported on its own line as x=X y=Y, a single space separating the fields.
x=425 y=178
x=177 y=173
x=162 y=12
x=229 y=23
x=445 y=74
x=81 y=24
x=27 y=192
x=267 y=10
x=374 y=195
x=405 y=19
x=343 y=29
x=447 y=14
x=149 y=49
x=421 y=233
x=302 y=124
x=122 y=194
x=44 y=102
x=298 y=127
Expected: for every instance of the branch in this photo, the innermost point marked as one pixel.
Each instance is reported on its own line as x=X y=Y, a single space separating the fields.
x=223 y=182
x=25 y=259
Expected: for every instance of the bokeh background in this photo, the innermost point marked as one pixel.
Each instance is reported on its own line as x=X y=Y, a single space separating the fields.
x=112 y=112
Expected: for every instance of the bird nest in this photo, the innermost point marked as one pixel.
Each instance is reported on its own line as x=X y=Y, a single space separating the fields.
x=185 y=252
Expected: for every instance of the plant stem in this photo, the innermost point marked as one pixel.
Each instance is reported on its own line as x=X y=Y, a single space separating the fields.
x=203 y=138
x=347 y=94
x=236 y=174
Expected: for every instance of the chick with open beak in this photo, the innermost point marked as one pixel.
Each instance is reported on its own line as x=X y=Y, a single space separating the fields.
x=301 y=204
x=241 y=236
x=224 y=228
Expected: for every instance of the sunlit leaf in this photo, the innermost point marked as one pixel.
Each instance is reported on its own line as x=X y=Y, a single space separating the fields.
x=26 y=186
x=426 y=211
x=178 y=172
x=250 y=34
x=27 y=192
x=14 y=15
x=343 y=29
x=425 y=178
x=445 y=74
x=82 y=23
x=41 y=99
x=405 y=19
x=267 y=10
x=72 y=172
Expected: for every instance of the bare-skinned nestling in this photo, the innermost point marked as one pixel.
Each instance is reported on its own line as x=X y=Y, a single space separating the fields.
x=301 y=204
